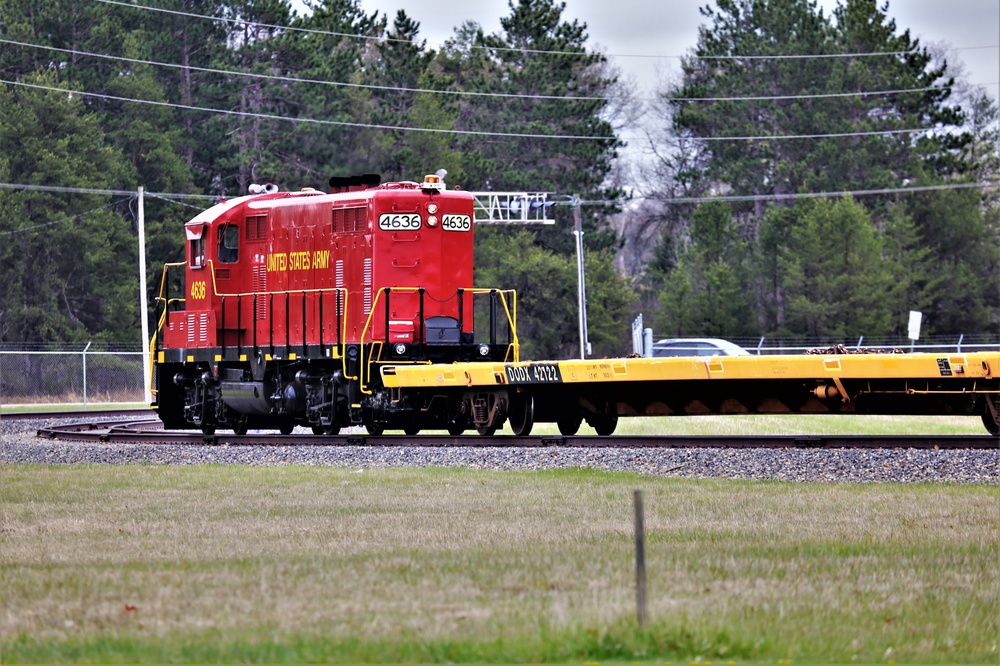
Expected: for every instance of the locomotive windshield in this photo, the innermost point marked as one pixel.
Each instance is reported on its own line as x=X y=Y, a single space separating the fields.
x=229 y=244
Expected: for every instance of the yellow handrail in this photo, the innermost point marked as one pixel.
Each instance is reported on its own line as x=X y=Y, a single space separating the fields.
x=365 y=373
x=342 y=333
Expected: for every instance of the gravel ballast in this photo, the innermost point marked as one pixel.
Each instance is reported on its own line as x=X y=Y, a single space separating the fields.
x=19 y=444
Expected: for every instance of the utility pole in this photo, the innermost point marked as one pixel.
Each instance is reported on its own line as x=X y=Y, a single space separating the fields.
x=143 y=306
x=580 y=279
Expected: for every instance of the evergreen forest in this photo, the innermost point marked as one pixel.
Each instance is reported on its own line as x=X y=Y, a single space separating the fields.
x=821 y=197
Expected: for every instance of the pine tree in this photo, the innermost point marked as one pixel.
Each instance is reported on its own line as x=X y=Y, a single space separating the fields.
x=67 y=269
x=536 y=58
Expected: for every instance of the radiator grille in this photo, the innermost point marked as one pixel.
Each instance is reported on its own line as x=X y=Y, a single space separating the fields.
x=368 y=285
x=259 y=286
x=349 y=220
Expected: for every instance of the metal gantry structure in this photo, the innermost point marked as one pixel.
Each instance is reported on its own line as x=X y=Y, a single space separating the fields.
x=532 y=208
x=513 y=207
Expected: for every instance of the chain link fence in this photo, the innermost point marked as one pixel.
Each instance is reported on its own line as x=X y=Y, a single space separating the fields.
x=86 y=375
x=934 y=344
x=92 y=374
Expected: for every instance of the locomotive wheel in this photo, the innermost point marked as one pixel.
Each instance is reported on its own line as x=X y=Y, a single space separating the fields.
x=331 y=430
x=487 y=431
x=207 y=428
x=521 y=414
x=375 y=429
x=286 y=427
x=603 y=424
x=569 y=424
x=411 y=431
x=455 y=429
x=240 y=428
x=318 y=430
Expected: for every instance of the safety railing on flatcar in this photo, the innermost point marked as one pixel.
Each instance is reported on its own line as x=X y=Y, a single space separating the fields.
x=497 y=297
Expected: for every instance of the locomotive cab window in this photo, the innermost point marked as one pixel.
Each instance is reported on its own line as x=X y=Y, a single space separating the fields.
x=196 y=247
x=229 y=244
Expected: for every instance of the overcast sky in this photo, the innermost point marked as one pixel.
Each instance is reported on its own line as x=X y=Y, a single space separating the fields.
x=643 y=37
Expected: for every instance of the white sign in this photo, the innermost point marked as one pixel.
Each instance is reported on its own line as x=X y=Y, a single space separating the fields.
x=914 y=327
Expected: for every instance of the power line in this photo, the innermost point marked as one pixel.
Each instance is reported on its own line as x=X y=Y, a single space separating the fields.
x=397 y=128
x=806 y=56
x=462 y=93
x=65 y=219
x=339 y=123
x=759 y=98
x=782 y=137
x=533 y=51
x=756 y=197
x=824 y=195
x=292 y=79
x=70 y=190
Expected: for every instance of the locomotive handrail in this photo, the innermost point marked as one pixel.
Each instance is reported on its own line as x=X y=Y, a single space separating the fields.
x=363 y=378
x=515 y=343
x=163 y=279
x=342 y=300
x=364 y=373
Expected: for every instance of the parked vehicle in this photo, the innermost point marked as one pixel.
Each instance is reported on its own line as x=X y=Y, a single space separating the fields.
x=697 y=347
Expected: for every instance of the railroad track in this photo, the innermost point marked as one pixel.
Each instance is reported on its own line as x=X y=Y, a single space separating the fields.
x=134 y=430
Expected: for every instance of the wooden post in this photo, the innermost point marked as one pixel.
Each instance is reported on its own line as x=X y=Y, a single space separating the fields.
x=640 y=561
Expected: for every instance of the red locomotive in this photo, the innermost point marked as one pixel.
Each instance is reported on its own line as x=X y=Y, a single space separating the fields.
x=294 y=299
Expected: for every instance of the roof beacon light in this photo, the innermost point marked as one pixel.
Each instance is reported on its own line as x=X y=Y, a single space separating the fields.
x=432 y=183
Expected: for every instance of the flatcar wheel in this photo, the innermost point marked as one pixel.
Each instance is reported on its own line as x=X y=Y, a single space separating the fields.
x=318 y=430
x=604 y=424
x=286 y=427
x=375 y=429
x=569 y=424
x=331 y=430
x=521 y=414
x=991 y=415
x=455 y=429
x=411 y=431
x=207 y=428
x=240 y=428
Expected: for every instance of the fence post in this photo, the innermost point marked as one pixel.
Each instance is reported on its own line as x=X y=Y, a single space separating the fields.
x=85 y=375
x=640 y=560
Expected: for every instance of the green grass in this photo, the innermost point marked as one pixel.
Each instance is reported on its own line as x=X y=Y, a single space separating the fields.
x=150 y=564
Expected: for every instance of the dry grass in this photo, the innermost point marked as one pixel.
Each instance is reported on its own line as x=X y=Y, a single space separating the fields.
x=406 y=560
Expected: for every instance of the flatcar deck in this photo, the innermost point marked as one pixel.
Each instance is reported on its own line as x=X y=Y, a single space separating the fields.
x=822 y=368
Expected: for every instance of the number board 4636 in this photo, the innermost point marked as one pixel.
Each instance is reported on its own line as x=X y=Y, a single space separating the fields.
x=456 y=223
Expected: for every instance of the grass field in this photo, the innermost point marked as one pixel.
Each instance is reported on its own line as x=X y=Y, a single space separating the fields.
x=151 y=564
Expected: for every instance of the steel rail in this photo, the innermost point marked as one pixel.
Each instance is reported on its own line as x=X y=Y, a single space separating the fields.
x=150 y=432
x=77 y=413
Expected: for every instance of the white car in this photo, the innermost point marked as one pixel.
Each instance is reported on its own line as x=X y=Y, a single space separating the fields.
x=697 y=347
